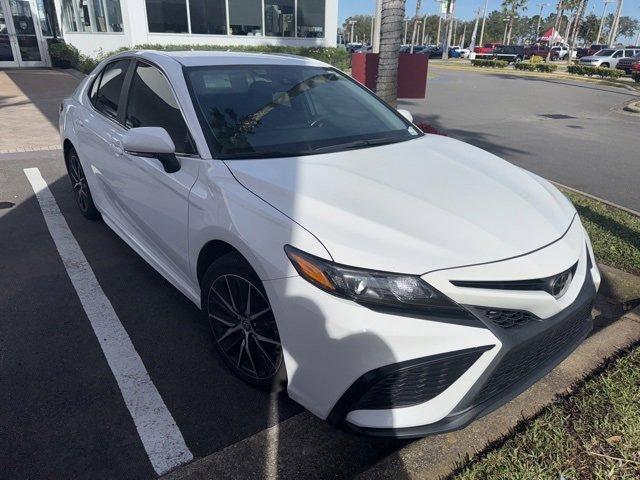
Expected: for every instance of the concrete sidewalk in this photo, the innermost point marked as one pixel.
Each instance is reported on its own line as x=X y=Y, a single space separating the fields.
x=29 y=106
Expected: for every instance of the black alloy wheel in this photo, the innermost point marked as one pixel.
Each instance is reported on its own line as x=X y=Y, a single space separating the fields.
x=242 y=323
x=81 y=191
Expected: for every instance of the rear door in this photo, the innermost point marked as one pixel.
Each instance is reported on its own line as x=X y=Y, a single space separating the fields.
x=100 y=136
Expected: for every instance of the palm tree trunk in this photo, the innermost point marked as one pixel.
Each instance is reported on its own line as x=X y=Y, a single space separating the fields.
x=393 y=12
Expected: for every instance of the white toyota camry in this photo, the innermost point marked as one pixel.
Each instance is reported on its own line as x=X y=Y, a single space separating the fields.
x=396 y=283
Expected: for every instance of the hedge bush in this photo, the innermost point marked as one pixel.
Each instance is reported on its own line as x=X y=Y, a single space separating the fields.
x=636 y=76
x=536 y=67
x=63 y=55
x=489 y=63
x=334 y=56
x=594 y=71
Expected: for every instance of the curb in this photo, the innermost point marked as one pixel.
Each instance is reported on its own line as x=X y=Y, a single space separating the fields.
x=437 y=457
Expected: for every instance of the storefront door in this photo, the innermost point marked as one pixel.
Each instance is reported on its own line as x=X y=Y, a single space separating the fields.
x=21 y=42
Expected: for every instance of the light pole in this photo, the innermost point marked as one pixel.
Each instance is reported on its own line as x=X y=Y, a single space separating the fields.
x=484 y=20
x=406 y=26
x=541 y=5
x=352 y=23
x=506 y=26
x=604 y=14
x=613 y=34
x=440 y=3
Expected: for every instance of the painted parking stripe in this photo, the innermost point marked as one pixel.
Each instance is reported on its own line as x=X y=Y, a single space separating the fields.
x=156 y=427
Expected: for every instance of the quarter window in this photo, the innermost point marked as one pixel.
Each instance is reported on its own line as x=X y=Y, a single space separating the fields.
x=108 y=95
x=151 y=103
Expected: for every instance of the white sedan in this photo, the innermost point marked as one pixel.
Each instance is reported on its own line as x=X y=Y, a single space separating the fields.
x=393 y=282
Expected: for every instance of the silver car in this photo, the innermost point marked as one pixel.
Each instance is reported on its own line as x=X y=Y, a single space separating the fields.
x=608 y=57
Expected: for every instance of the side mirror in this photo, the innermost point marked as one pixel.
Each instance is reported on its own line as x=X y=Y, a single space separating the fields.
x=153 y=142
x=406 y=114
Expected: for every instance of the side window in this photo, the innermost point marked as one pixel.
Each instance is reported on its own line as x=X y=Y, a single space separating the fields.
x=152 y=104
x=110 y=87
x=618 y=54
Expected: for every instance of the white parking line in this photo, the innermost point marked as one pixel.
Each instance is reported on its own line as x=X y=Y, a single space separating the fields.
x=156 y=427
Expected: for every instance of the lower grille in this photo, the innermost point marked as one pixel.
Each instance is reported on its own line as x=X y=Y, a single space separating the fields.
x=534 y=354
x=420 y=382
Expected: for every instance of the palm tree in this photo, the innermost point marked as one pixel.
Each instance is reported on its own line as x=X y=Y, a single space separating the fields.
x=391 y=28
x=511 y=9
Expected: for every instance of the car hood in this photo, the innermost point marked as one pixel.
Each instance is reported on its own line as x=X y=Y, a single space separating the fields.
x=412 y=207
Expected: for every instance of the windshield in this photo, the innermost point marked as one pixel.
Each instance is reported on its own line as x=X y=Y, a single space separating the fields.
x=252 y=111
x=604 y=53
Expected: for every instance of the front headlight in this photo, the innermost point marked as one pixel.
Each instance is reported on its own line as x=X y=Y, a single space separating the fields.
x=372 y=288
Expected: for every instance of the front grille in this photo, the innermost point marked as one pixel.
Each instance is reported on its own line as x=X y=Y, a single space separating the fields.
x=509 y=318
x=418 y=383
x=533 y=355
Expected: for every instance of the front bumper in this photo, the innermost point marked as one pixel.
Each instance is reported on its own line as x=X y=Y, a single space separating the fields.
x=525 y=357
x=341 y=357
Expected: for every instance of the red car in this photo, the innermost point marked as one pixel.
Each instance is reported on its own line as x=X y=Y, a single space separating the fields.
x=487 y=48
x=629 y=64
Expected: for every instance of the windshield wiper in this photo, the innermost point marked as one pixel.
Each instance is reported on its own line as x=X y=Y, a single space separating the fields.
x=252 y=155
x=357 y=144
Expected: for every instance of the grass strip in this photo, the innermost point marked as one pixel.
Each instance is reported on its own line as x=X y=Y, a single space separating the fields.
x=593 y=433
x=614 y=233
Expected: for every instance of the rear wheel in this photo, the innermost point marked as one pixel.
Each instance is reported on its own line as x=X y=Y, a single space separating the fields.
x=242 y=323
x=604 y=65
x=81 y=192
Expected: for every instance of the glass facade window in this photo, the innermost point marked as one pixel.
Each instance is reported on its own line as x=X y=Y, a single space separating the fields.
x=167 y=16
x=278 y=18
x=69 y=16
x=91 y=16
x=114 y=15
x=208 y=16
x=245 y=17
x=100 y=16
x=310 y=18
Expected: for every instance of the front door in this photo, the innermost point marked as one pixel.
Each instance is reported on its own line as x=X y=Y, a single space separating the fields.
x=21 y=41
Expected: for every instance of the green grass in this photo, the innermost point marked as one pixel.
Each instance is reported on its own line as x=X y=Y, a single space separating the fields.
x=614 y=233
x=592 y=434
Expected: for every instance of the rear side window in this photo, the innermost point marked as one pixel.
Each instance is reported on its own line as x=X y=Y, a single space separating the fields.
x=152 y=104
x=111 y=82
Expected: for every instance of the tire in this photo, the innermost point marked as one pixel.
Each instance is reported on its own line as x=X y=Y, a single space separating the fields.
x=81 y=192
x=247 y=339
x=604 y=65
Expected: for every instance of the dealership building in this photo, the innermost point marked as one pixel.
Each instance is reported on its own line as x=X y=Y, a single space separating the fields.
x=96 y=26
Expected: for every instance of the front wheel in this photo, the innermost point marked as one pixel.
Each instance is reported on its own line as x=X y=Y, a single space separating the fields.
x=81 y=192
x=604 y=65
x=242 y=323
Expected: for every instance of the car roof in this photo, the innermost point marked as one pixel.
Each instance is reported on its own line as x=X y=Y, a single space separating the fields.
x=199 y=58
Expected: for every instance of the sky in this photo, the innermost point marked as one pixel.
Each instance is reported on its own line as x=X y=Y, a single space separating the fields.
x=465 y=9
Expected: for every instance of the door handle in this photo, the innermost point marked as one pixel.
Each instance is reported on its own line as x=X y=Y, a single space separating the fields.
x=116 y=148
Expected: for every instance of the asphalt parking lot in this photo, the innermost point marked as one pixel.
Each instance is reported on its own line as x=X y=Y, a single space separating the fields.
x=570 y=132
x=64 y=412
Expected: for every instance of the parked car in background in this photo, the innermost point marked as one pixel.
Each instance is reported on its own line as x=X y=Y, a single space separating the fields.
x=608 y=57
x=629 y=64
x=561 y=52
x=596 y=47
x=509 y=53
x=540 y=51
x=487 y=48
x=582 y=52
